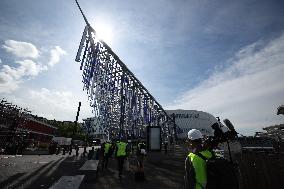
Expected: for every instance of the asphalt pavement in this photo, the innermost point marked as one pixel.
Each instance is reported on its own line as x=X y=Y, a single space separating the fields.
x=259 y=170
x=45 y=171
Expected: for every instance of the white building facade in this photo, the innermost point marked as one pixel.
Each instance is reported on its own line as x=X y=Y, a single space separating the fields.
x=94 y=128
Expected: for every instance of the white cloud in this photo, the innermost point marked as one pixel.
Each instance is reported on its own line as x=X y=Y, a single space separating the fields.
x=30 y=68
x=7 y=82
x=21 y=49
x=53 y=104
x=247 y=91
x=55 y=55
x=11 y=77
x=0 y=61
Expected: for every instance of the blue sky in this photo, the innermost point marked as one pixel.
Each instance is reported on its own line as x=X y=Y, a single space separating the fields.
x=223 y=57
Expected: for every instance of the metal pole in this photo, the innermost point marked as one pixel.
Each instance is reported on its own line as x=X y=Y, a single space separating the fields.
x=75 y=128
x=82 y=13
x=76 y=121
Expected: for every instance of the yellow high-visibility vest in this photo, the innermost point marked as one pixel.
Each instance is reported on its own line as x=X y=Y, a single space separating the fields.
x=107 y=147
x=200 y=168
x=121 y=149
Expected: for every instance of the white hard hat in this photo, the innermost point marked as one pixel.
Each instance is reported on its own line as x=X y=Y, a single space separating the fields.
x=194 y=134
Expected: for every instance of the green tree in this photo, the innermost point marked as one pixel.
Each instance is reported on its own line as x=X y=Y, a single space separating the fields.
x=71 y=130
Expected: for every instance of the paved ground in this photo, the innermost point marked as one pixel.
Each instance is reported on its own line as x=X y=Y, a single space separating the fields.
x=36 y=171
x=161 y=171
x=32 y=171
x=259 y=170
x=262 y=170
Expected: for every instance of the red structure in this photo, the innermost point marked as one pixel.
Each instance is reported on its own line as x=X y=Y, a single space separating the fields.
x=38 y=130
x=19 y=129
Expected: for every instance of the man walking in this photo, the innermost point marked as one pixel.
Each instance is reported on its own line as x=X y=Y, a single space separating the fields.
x=121 y=153
x=106 y=153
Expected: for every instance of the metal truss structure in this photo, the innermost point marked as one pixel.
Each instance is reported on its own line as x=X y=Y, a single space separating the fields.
x=123 y=106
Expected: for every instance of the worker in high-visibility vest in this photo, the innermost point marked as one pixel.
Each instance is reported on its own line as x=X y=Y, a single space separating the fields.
x=106 y=153
x=195 y=166
x=121 y=154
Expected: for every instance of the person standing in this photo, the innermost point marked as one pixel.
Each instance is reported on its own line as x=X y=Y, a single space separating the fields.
x=106 y=152
x=70 y=148
x=112 y=149
x=141 y=152
x=166 y=147
x=121 y=154
x=85 y=150
x=195 y=166
x=77 y=149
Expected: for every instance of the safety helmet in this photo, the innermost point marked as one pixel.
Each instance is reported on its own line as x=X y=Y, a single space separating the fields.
x=194 y=134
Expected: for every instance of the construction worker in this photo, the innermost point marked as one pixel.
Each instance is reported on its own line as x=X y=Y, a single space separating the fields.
x=106 y=153
x=121 y=154
x=195 y=166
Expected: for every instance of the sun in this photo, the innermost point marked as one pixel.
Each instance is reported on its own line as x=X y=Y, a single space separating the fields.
x=104 y=32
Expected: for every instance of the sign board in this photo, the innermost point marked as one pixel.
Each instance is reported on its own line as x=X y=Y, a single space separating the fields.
x=154 y=138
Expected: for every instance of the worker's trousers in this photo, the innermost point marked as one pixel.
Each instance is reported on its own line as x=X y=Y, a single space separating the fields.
x=120 y=161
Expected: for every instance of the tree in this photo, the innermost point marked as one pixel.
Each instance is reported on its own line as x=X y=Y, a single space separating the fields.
x=70 y=130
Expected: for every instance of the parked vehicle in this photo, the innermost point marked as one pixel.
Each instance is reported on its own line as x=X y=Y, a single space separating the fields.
x=96 y=142
x=62 y=141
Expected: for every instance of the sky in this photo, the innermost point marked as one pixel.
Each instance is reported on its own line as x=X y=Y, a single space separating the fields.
x=223 y=57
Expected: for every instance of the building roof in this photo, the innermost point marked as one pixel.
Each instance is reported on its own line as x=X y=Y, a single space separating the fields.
x=274 y=127
x=42 y=122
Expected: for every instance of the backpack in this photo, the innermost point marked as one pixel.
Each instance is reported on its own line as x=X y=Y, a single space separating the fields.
x=221 y=173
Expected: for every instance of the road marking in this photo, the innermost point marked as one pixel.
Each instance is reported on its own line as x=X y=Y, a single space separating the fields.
x=40 y=162
x=90 y=165
x=25 y=180
x=49 y=173
x=68 y=182
x=9 y=156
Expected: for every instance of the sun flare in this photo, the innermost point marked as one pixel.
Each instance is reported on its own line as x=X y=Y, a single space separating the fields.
x=104 y=32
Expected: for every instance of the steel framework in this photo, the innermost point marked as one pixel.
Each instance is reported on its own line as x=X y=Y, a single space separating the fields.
x=123 y=106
